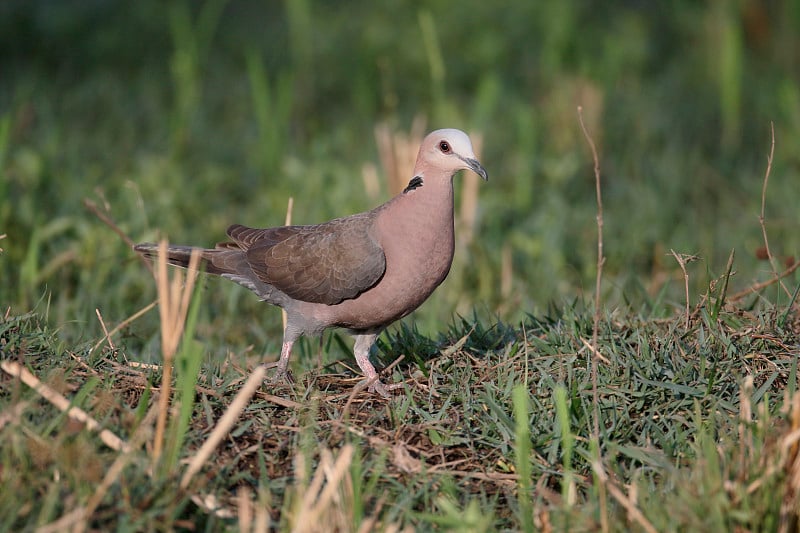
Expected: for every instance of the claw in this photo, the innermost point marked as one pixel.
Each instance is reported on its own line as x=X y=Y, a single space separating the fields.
x=281 y=377
x=380 y=388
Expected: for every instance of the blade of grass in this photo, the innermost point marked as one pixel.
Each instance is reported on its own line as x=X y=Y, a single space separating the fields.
x=189 y=361
x=568 y=488
x=173 y=299
x=522 y=453
x=723 y=291
x=785 y=315
x=601 y=259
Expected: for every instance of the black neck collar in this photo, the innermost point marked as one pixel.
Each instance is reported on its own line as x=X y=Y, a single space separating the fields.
x=415 y=182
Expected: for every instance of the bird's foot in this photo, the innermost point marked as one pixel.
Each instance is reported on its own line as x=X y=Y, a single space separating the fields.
x=377 y=386
x=281 y=376
x=374 y=384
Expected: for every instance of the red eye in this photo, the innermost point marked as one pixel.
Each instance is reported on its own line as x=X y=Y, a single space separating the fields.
x=444 y=146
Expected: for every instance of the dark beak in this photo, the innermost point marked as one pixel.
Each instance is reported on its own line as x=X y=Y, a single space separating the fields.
x=477 y=168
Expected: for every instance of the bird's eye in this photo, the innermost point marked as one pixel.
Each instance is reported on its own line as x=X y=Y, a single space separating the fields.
x=444 y=146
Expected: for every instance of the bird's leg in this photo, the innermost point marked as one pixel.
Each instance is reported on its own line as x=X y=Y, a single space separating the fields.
x=361 y=350
x=282 y=373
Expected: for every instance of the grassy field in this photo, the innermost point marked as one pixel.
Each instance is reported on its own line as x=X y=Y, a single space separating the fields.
x=668 y=402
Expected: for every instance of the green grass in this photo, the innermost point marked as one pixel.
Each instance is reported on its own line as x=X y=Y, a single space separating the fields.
x=177 y=122
x=498 y=433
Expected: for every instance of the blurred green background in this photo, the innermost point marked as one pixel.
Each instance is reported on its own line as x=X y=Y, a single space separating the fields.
x=180 y=118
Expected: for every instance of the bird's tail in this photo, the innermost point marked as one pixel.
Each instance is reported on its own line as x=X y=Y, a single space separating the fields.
x=181 y=255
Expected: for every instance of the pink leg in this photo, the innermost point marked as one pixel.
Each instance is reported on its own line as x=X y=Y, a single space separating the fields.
x=282 y=373
x=361 y=351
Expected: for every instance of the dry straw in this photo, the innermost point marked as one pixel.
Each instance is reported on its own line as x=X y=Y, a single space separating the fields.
x=173 y=300
x=57 y=399
x=398 y=153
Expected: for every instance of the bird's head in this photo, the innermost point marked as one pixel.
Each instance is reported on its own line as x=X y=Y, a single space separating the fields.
x=448 y=151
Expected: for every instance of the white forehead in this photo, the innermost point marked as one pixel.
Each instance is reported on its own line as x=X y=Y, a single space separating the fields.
x=457 y=139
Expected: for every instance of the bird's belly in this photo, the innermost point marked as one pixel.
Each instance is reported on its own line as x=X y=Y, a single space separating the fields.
x=396 y=295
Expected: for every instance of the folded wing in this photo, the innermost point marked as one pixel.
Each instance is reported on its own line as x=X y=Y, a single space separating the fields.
x=325 y=263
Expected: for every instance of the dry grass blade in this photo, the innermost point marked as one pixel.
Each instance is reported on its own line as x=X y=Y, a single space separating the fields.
x=764 y=284
x=626 y=501
x=790 y=512
x=398 y=152
x=600 y=257
x=595 y=353
x=261 y=524
x=244 y=505
x=105 y=329
x=745 y=419
x=213 y=505
x=107 y=220
x=64 y=523
x=683 y=260
x=317 y=509
x=596 y=320
x=62 y=403
x=762 y=217
x=283 y=402
x=251 y=517
x=123 y=324
x=173 y=300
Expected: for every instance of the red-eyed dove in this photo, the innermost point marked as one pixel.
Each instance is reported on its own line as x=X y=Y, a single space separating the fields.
x=360 y=272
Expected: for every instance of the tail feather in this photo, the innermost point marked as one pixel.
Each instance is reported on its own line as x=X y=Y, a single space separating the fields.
x=181 y=255
x=225 y=260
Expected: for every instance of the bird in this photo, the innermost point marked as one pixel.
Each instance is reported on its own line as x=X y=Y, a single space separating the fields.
x=360 y=272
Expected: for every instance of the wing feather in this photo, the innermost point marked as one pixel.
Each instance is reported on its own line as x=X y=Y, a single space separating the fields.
x=325 y=263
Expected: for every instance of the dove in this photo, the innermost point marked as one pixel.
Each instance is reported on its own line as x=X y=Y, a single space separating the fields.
x=360 y=272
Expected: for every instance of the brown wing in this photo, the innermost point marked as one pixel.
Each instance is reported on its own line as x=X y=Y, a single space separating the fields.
x=245 y=237
x=326 y=263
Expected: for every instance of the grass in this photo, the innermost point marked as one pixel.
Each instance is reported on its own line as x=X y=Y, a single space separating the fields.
x=496 y=434
x=539 y=392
